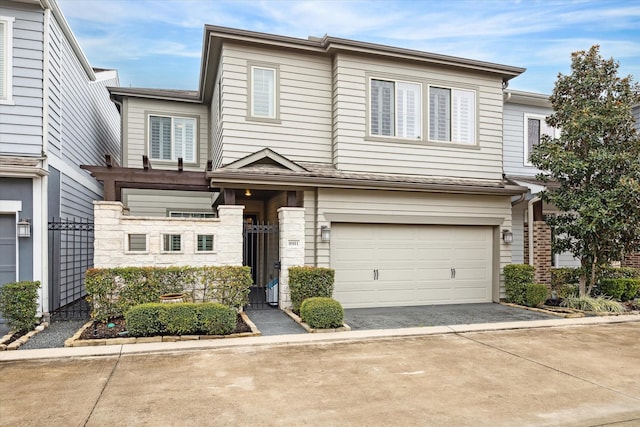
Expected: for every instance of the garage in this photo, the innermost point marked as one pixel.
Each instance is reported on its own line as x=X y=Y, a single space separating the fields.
x=384 y=265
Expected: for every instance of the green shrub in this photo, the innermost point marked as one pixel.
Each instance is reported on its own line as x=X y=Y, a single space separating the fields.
x=216 y=319
x=620 y=289
x=322 y=313
x=19 y=305
x=113 y=291
x=620 y=273
x=563 y=275
x=144 y=320
x=180 y=319
x=516 y=277
x=568 y=290
x=599 y=304
x=308 y=282
x=535 y=294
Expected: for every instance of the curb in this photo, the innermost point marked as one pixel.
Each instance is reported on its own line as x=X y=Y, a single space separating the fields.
x=302 y=339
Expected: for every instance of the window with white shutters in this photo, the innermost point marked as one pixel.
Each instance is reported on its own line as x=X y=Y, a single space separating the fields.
x=535 y=128
x=395 y=109
x=172 y=138
x=263 y=92
x=452 y=115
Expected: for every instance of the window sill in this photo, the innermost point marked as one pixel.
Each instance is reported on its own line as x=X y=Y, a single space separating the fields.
x=275 y=121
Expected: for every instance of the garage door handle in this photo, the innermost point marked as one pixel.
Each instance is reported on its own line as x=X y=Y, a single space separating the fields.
x=375 y=274
x=453 y=273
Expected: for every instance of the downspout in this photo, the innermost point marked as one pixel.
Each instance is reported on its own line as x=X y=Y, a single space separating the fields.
x=530 y=220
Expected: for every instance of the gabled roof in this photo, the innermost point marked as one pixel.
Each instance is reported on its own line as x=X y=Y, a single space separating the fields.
x=265 y=157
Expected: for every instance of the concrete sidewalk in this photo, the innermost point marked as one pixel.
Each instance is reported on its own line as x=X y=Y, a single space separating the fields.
x=574 y=374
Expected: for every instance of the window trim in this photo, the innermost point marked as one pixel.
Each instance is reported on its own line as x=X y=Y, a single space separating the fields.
x=525 y=140
x=7 y=70
x=165 y=251
x=251 y=65
x=127 y=243
x=196 y=137
x=213 y=242
x=474 y=90
x=395 y=80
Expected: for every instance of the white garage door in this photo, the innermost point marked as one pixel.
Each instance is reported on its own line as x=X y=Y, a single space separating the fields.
x=385 y=265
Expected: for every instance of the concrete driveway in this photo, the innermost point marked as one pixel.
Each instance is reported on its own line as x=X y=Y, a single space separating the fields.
x=436 y=315
x=564 y=376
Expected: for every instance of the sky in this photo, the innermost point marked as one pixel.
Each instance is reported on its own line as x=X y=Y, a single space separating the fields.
x=158 y=43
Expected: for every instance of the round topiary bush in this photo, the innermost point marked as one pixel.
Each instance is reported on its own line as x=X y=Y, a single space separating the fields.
x=322 y=312
x=215 y=318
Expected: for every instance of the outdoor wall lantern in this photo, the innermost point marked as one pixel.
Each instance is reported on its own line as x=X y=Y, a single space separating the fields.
x=507 y=236
x=24 y=228
x=325 y=233
x=247 y=192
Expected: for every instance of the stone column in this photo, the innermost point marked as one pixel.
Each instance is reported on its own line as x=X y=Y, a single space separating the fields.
x=108 y=240
x=230 y=234
x=291 y=248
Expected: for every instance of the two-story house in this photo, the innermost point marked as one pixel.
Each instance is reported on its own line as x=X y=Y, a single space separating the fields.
x=394 y=155
x=55 y=114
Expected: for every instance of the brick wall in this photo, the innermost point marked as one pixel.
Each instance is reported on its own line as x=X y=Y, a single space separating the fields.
x=541 y=251
x=632 y=260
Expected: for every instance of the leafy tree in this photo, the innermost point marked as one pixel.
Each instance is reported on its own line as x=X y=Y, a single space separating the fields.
x=595 y=163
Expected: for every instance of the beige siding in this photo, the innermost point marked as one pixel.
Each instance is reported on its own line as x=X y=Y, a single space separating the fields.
x=303 y=132
x=135 y=130
x=396 y=204
x=353 y=150
x=161 y=202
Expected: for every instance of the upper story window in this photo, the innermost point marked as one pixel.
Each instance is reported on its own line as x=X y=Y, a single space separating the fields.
x=6 y=59
x=395 y=109
x=172 y=138
x=534 y=128
x=263 y=92
x=452 y=115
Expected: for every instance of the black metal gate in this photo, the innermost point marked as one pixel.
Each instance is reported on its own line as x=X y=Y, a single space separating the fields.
x=70 y=255
x=261 y=252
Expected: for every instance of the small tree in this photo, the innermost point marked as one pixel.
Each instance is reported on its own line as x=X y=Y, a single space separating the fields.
x=595 y=163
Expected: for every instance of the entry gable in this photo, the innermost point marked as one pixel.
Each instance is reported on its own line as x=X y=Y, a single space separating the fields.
x=265 y=156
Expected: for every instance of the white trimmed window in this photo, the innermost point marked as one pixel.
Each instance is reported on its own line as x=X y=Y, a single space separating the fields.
x=205 y=243
x=452 y=115
x=6 y=60
x=178 y=214
x=263 y=92
x=171 y=243
x=534 y=128
x=171 y=138
x=136 y=242
x=395 y=109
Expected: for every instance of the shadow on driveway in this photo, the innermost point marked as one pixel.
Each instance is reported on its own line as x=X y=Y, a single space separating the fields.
x=436 y=315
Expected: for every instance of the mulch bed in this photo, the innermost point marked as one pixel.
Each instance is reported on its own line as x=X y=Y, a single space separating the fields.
x=99 y=330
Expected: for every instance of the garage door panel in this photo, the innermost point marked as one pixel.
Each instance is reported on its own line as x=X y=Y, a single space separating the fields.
x=414 y=264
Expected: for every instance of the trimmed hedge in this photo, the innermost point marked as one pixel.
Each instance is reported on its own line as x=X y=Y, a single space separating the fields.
x=113 y=291
x=19 y=305
x=620 y=289
x=620 y=273
x=568 y=290
x=180 y=319
x=535 y=294
x=516 y=277
x=322 y=313
x=308 y=282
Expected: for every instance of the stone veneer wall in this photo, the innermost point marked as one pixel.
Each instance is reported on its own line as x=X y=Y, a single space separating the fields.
x=291 y=223
x=112 y=229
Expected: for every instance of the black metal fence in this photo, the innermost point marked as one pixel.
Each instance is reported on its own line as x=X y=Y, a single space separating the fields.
x=70 y=255
x=261 y=252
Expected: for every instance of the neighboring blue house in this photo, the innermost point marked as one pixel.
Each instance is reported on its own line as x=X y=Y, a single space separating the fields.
x=55 y=114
